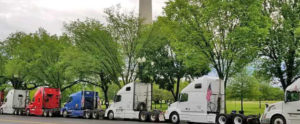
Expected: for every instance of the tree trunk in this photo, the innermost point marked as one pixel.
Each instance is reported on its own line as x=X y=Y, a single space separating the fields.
x=177 y=88
x=105 y=91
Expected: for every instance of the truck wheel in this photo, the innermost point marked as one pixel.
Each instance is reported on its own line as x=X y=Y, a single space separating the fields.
x=65 y=114
x=142 y=107
x=278 y=120
x=45 y=113
x=111 y=115
x=87 y=115
x=27 y=112
x=95 y=115
x=1 y=111
x=143 y=116
x=175 y=118
x=239 y=119
x=154 y=117
x=20 y=112
x=222 y=119
x=50 y=113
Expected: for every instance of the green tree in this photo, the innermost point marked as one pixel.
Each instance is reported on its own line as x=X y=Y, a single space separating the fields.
x=125 y=29
x=161 y=63
x=280 y=50
x=226 y=32
x=98 y=54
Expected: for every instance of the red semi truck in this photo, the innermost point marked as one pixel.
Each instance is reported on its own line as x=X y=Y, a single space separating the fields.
x=46 y=102
x=1 y=97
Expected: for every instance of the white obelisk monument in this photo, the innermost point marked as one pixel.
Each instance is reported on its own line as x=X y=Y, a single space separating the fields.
x=146 y=11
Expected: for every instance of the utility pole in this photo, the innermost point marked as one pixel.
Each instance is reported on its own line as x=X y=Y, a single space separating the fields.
x=145 y=11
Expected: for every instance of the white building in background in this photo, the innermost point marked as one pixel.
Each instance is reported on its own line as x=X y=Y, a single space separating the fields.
x=145 y=11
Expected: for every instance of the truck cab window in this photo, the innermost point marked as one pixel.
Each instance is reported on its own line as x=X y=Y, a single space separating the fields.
x=69 y=100
x=184 y=97
x=198 y=86
x=128 y=88
x=117 y=98
x=292 y=96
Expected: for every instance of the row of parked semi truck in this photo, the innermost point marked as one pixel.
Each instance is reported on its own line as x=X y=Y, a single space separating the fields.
x=202 y=101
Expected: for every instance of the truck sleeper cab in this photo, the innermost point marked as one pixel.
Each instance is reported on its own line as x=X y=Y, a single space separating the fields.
x=83 y=104
x=131 y=102
x=287 y=111
x=15 y=102
x=46 y=102
x=198 y=102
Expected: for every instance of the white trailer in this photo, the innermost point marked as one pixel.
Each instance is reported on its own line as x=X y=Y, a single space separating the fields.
x=133 y=101
x=198 y=102
x=15 y=102
x=287 y=111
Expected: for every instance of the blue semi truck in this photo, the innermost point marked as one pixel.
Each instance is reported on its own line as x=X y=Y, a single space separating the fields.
x=83 y=104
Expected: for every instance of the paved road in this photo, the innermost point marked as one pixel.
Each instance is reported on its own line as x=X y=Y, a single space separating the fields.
x=14 y=119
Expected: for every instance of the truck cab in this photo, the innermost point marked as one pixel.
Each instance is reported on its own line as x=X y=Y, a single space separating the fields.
x=287 y=111
x=81 y=104
x=130 y=101
x=46 y=101
x=15 y=102
x=198 y=102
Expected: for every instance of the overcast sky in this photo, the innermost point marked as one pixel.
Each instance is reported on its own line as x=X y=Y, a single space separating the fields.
x=29 y=15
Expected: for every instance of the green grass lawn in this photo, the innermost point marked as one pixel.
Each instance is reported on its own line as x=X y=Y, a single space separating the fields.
x=250 y=107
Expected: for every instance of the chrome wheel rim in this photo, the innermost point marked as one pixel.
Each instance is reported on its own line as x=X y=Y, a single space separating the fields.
x=238 y=120
x=50 y=114
x=94 y=115
x=45 y=113
x=278 y=121
x=111 y=116
x=222 y=120
x=153 y=117
x=65 y=114
x=174 y=118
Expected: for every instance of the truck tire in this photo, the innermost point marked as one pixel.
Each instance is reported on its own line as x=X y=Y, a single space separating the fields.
x=50 y=113
x=154 y=116
x=142 y=107
x=65 y=114
x=28 y=112
x=143 y=116
x=87 y=115
x=174 y=118
x=95 y=115
x=222 y=119
x=20 y=112
x=45 y=113
x=110 y=115
x=278 y=119
x=239 y=119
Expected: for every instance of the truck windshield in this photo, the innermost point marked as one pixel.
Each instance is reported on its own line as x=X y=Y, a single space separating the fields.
x=292 y=96
x=117 y=98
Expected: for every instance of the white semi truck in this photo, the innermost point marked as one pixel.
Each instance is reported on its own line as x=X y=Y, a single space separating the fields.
x=133 y=101
x=287 y=111
x=15 y=102
x=198 y=102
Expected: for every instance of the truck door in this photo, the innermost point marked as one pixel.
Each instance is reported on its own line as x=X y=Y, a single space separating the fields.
x=184 y=106
x=118 y=105
x=292 y=107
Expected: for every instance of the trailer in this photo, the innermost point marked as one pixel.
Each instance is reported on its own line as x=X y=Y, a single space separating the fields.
x=46 y=102
x=287 y=111
x=133 y=101
x=83 y=104
x=15 y=102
